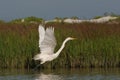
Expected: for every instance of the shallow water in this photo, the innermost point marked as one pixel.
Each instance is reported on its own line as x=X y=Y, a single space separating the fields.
x=61 y=74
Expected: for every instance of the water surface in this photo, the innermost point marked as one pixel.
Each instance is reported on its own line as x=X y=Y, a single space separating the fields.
x=61 y=74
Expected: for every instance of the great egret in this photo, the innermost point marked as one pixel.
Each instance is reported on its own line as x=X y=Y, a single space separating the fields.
x=47 y=43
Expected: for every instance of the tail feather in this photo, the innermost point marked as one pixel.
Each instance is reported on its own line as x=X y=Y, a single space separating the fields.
x=37 y=57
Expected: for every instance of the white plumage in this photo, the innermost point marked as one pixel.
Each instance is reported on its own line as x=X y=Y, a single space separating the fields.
x=47 y=43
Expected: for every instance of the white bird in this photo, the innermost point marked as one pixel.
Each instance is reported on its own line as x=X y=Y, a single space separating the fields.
x=47 y=43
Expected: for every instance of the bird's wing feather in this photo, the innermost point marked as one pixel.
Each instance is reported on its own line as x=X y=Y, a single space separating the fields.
x=41 y=31
x=47 y=46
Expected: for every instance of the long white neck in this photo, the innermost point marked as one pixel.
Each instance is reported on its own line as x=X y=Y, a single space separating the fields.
x=61 y=48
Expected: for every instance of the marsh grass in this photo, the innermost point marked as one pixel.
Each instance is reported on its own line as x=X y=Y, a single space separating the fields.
x=97 y=45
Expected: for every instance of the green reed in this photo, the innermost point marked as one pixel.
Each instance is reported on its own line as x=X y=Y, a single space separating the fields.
x=97 y=45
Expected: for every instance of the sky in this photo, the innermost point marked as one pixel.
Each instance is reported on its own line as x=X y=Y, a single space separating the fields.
x=49 y=9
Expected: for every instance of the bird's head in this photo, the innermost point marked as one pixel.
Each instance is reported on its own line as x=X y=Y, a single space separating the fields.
x=71 y=38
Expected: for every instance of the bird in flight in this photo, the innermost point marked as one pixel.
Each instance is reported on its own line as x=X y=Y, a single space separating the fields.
x=47 y=44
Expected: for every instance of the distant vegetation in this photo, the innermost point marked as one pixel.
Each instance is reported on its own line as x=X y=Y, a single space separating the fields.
x=97 y=45
x=107 y=14
x=36 y=20
x=31 y=19
x=1 y=21
x=97 y=17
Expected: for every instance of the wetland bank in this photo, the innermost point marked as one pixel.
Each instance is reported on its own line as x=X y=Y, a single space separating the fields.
x=97 y=45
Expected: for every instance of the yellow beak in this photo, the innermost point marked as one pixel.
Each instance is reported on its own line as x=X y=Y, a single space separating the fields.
x=74 y=38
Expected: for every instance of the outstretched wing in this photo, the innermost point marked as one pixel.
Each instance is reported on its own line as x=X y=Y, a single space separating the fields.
x=47 y=45
x=41 y=31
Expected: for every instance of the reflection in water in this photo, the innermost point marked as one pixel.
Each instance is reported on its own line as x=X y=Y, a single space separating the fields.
x=80 y=74
x=76 y=74
x=48 y=77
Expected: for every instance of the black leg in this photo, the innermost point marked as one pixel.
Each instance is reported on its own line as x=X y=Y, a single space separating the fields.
x=36 y=67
